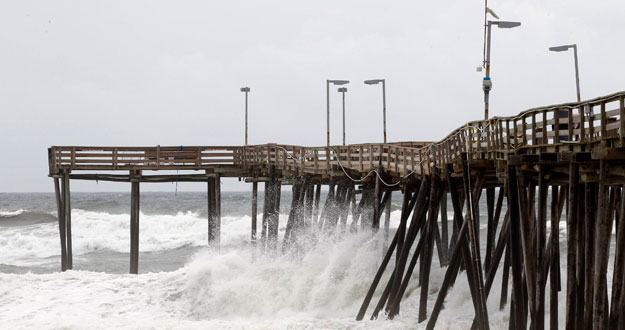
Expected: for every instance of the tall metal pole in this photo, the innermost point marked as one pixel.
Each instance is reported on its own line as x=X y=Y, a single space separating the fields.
x=245 y=90
x=246 y=118
x=384 y=105
x=576 y=73
x=328 y=112
x=343 y=91
x=486 y=91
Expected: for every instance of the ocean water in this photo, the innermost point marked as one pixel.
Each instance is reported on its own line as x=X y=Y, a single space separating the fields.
x=184 y=284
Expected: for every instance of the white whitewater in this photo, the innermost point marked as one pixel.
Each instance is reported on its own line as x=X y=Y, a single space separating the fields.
x=226 y=289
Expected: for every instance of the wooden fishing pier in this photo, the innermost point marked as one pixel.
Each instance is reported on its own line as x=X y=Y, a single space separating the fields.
x=574 y=152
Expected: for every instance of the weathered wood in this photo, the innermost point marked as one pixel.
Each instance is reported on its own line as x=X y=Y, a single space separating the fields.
x=503 y=300
x=387 y=215
x=445 y=229
x=61 y=219
x=541 y=231
x=273 y=223
x=580 y=254
x=376 y=279
x=308 y=213
x=67 y=213
x=217 y=221
x=384 y=296
x=454 y=264
x=618 y=278
x=527 y=243
x=315 y=214
x=589 y=251
x=377 y=196
x=482 y=314
x=571 y=225
x=212 y=210
x=602 y=248
x=555 y=262
x=134 y=227
x=463 y=244
x=435 y=193
x=517 y=318
x=417 y=221
x=408 y=204
x=254 y=210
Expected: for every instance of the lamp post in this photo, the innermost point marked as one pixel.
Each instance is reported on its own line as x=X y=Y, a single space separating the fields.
x=375 y=82
x=245 y=90
x=486 y=83
x=328 y=82
x=563 y=49
x=343 y=90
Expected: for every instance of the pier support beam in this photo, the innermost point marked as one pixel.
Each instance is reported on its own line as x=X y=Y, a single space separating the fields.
x=67 y=216
x=61 y=216
x=254 y=210
x=602 y=249
x=134 y=224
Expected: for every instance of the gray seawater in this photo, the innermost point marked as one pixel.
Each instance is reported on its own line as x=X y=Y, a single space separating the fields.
x=29 y=210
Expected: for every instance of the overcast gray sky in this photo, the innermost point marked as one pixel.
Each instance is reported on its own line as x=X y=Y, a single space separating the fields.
x=169 y=72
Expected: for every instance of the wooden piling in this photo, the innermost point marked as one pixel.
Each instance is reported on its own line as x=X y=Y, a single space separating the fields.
x=541 y=232
x=503 y=300
x=217 y=221
x=61 y=218
x=490 y=227
x=376 y=204
x=308 y=213
x=472 y=214
x=315 y=214
x=134 y=225
x=527 y=242
x=417 y=221
x=517 y=319
x=571 y=226
x=445 y=229
x=589 y=251
x=387 y=215
x=408 y=204
x=274 y=215
x=555 y=262
x=602 y=249
x=580 y=254
x=618 y=278
x=429 y=230
x=254 y=210
x=212 y=209
x=67 y=213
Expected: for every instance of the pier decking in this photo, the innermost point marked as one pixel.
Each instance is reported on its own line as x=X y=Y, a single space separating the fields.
x=575 y=151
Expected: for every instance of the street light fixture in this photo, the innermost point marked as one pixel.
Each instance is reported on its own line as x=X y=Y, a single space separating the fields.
x=328 y=82
x=245 y=90
x=343 y=90
x=563 y=49
x=375 y=82
x=486 y=83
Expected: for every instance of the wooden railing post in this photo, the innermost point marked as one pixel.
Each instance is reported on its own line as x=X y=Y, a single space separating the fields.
x=604 y=122
x=622 y=118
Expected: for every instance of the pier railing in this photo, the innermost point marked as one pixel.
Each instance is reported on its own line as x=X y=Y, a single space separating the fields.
x=571 y=126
